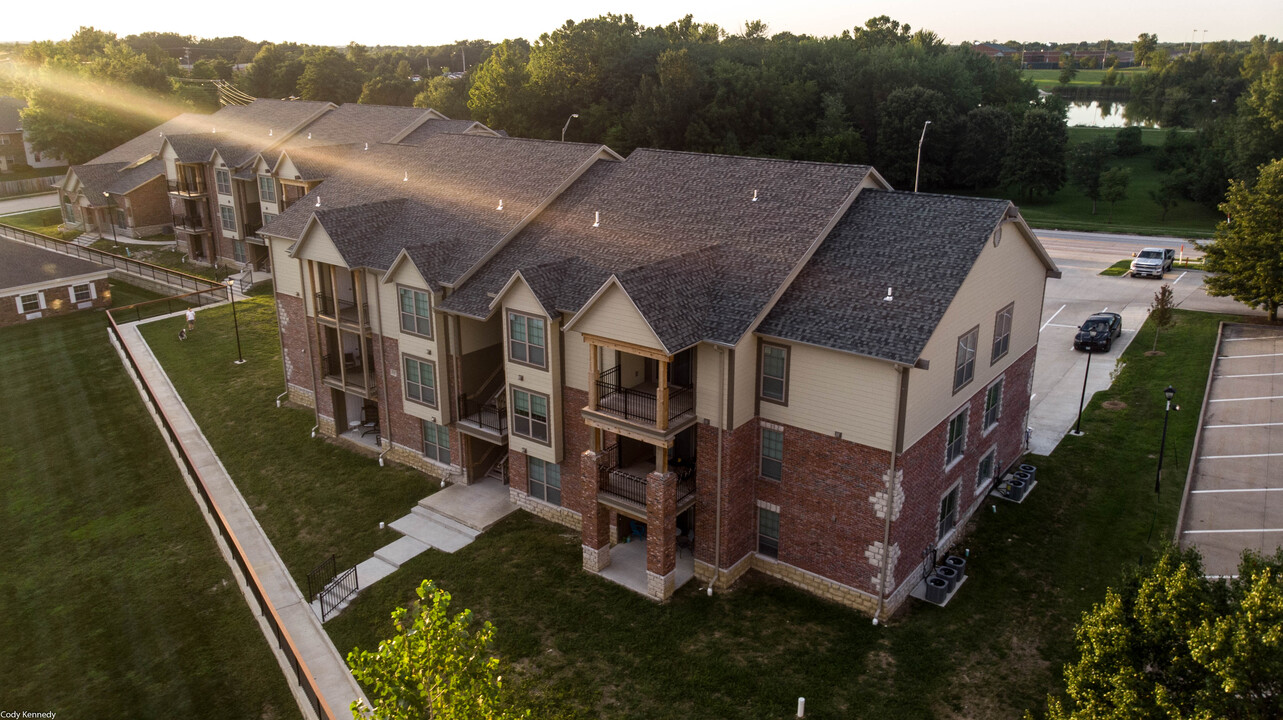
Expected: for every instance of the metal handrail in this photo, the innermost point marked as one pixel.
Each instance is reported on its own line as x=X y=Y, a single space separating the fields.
x=201 y=298
x=138 y=268
x=636 y=404
x=491 y=415
x=337 y=590
x=265 y=608
x=627 y=485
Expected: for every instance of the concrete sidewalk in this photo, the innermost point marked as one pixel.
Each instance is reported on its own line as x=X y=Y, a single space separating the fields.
x=328 y=669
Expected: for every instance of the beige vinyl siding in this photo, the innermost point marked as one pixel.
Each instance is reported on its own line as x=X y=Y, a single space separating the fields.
x=285 y=169
x=1009 y=273
x=547 y=382
x=170 y=157
x=406 y=274
x=614 y=316
x=475 y=335
x=707 y=366
x=830 y=391
x=577 y=357
x=285 y=270
x=317 y=245
x=745 y=386
x=418 y=346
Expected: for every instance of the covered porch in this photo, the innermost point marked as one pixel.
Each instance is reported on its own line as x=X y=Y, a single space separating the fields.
x=628 y=567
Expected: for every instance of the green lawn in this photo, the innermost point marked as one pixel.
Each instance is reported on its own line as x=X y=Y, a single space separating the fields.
x=580 y=647
x=163 y=256
x=1050 y=79
x=1069 y=209
x=114 y=600
x=311 y=497
x=44 y=221
x=1122 y=267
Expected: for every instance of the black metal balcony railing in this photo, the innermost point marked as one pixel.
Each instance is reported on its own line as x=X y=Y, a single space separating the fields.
x=491 y=415
x=351 y=368
x=345 y=310
x=635 y=404
x=630 y=484
x=191 y=223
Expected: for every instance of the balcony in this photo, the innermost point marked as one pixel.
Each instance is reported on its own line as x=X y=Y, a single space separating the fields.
x=187 y=189
x=488 y=419
x=654 y=414
x=624 y=489
x=342 y=311
x=346 y=372
x=192 y=224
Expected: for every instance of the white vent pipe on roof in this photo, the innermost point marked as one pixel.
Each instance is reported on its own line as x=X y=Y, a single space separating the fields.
x=500 y=204
x=888 y=298
x=754 y=196
x=596 y=218
x=318 y=201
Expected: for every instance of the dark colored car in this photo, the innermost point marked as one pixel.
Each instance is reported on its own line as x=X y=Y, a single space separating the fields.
x=1099 y=331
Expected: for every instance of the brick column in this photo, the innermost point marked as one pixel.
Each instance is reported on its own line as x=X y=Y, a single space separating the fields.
x=595 y=527
x=661 y=534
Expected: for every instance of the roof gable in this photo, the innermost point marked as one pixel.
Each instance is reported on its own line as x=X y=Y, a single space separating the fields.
x=612 y=313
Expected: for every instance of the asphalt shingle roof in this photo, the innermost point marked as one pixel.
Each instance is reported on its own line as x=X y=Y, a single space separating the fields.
x=436 y=127
x=353 y=123
x=683 y=235
x=10 y=118
x=150 y=141
x=22 y=264
x=922 y=246
x=454 y=186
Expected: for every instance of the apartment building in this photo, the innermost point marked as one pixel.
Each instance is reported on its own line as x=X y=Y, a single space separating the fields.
x=16 y=150
x=741 y=363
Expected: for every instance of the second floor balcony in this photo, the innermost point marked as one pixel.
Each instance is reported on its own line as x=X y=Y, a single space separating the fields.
x=191 y=223
x=341 y=310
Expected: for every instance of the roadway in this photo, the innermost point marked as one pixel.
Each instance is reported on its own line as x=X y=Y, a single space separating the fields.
x=27 y=203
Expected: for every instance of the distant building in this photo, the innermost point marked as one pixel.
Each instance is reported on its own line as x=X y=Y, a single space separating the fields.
x=15 y=149
x=36 y=283
x=995 y=51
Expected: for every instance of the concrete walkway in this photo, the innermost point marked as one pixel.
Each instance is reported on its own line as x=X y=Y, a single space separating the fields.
x=337 y=686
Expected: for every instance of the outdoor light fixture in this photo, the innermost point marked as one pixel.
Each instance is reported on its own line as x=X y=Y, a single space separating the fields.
x=567 y=125
x=919 y=165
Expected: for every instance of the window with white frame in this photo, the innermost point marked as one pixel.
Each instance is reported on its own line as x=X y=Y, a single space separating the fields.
x=266 y=189
x=526 y=343
x=530 y=414
x=986 y=469
x=957 y=437
x=421 y=381
x=268 y=217
x=768 y=532
x=436 y=442
x=31 y=303
x=223 y=179
x=993 y=404
x=964 y=366
x=544 y=480
x=948 y=513
x=82 y=293
x=227 y=215
x=1001 y=333
x=774 y=383
x=772 y=453
x=416 y=311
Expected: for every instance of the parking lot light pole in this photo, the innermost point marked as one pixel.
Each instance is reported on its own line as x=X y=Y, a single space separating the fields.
x=240 y=358
x=1170 y=393
x=918 y=166
x=1081 y=398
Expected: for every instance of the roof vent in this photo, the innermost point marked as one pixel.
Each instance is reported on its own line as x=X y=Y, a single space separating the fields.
x=407 y=176
x=596 y=218
x=754 y=196
x=318 y=201
x=269 y=132
x=888 y=298
x=367 y=146
x=309 y=136
x=213 y=129
x=500 y=204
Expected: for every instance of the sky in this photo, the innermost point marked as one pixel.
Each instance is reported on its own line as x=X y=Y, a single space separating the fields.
x=402 y=22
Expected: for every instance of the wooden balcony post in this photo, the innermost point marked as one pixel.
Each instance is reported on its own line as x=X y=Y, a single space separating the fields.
x=661 y=459
x=594 y=370
x=661 y=398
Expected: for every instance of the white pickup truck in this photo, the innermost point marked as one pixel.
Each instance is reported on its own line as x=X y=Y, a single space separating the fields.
x=1152 y=262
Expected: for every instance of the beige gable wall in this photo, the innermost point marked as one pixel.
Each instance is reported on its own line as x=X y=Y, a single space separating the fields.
x=613 y=315
x=317 y=245
x=744 y=388
x=285 y=168
x=1008 y=273
x=547 y=382
x=830 y=391
x=286 y=275
x=475 y=335
x=169 y=156
x=432 y=350
x=708 y=362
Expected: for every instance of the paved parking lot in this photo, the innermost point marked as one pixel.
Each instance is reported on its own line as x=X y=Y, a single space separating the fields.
x=1081 y=291
x=1234 y=497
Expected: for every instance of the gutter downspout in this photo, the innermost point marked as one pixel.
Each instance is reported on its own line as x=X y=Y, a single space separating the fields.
x=378 y=313
x=721 y=422
x=886 y=529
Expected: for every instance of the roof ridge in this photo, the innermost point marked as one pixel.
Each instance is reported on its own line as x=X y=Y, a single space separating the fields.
x=748 y=157
x=951 y=196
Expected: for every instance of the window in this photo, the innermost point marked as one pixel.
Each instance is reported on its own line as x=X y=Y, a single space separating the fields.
x=268 y=217
x=768 y=532
x=416 y=312
x=526 y=339
x=986 y=470
x=1002 y=333
x=223 y=179
x=436 y=442
x=545 y=480
x=4 y=139
x=530 y=415
x=957 y=437
x=993 y=404
x=81 y=293
x=964 y=367
x=772 y=453
x=30 y=303
x=266 y=189
x=948 y=513
x=774 y=385
x=238 y=250
x=228 y=215
x=421 y=381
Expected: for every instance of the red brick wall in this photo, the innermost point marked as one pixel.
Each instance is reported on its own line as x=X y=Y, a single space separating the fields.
x=293 y=323
x=576 y=437
x=149 y=204
x=926 y=481
x=739 y=481
x=58 y=296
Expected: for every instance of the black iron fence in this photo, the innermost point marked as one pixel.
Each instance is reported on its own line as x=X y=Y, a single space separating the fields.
x=636 y=404
x=491 y=415
x=137 y=268
x=166 y=306
x=262 y=605
x=627 y=485
x=339 y=589
x=320 y=576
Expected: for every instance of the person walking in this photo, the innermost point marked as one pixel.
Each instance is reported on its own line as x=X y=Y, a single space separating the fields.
x=191 y=319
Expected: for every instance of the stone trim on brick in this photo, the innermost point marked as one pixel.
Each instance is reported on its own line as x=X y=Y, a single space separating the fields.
x=660 y=587
x=596 y=559
x=555 y=513
x=816 y=584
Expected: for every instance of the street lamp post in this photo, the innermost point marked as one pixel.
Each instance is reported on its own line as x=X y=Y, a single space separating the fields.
x=240 y=358
x=1170 y=392
x=1081 y=398
x=918 y=167
x=566 y=127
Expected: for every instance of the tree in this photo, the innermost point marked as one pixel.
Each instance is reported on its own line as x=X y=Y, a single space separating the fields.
x=1068 y=68
x=900 y=131
x=388 y=90
x=1145 y=44
x=1246 y=257
x=1160 y=311
x=1129 y=141
x=445 y=95
x=881 y=31
x=1035 y=160
x=436 y=666
x=986 y=132
x=1170 y=642
x=1086 y=165
x=329 y=75
x=1113 y=187
x=499 y=95
x=1170 y=192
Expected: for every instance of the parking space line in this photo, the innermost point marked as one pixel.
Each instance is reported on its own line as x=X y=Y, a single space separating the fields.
x=1234 y=490
x=1218 y=377
x=1212 y=532
x=1071 y=327
x=1243 y=425
x=1227 y=457
x=1263 y=397
x=1267 y=337
x=1233 y=357
x=1178 y=279
x=1053 y=317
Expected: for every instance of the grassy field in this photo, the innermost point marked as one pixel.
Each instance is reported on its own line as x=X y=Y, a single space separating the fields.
x=581 y=647
x=1122 y=267
x=311 y=497
x=1050 y=79
x=1069 y=209
x=114 y=600
x=42 y=221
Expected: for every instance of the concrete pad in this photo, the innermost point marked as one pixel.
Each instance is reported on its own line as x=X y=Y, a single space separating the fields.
x=1237 y=413
x=373 y=570
x=1225 y=511
x=399 y=551
x=434 y=534
x=628 y=567
x=1227 y=475
x=1234 y=389
x=477 y=506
